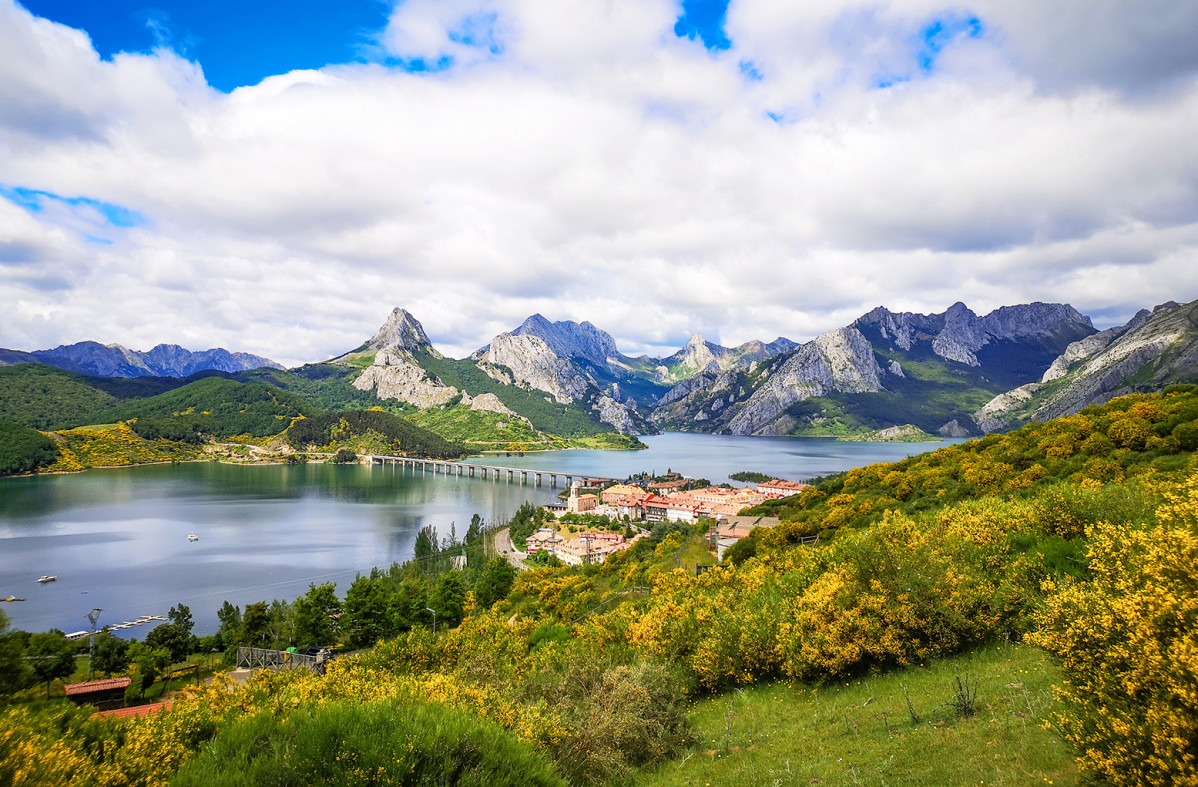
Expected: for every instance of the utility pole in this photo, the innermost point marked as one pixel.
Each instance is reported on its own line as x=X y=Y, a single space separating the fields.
x=430 y=609
x=92 y=616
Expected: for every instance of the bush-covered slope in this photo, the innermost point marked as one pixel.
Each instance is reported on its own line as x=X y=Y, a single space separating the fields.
x=1125 y=437
x=43 y=397
x=220 y=407
x=538 y=407
x=24 y=450
x=390 y=432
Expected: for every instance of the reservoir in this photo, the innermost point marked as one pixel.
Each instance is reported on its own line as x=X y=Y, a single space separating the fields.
x=118 y=539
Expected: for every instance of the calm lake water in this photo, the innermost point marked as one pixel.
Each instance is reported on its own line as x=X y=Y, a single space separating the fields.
x=117 y=539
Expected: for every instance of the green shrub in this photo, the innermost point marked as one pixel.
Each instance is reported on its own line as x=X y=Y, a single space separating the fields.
x=347 y=743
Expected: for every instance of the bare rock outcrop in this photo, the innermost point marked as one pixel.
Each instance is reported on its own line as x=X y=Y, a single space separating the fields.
x=402 y=331
x=533 y=363
x=840 y=360
x=395 y=375
x=1152 y=349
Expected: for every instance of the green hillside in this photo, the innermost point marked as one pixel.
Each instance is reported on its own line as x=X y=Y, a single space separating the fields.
x=219 y=407
x=45 y=397
x=370 y=431
x=538 y=407
x=24 y=450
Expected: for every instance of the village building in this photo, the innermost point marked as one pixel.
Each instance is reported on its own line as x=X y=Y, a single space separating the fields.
x=623 y=492
x=543 y=540
x=104 y=694
x=681 y=511
x=665 y=487
x=580 y=504
x=776 y=488
x=655 y=508
x=736 y=528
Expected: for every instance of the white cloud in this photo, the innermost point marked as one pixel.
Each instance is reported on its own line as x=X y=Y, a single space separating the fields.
x=584 y=162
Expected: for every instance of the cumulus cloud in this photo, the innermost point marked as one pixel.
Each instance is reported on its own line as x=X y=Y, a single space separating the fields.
x=581 y=160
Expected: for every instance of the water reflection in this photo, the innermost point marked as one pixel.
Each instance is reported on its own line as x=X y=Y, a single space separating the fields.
x=117 y=539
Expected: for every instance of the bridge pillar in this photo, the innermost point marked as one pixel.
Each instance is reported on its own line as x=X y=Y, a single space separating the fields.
x=569 y=480
x=509 y=475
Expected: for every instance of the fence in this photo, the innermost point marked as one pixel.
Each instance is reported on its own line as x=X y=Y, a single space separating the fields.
x=265 y=658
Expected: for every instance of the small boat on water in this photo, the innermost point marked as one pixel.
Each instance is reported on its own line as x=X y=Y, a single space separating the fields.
x=12 y=598
x=192 y=537
x=48 y=578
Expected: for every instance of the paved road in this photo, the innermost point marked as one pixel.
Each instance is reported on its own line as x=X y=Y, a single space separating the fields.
x=504 y=546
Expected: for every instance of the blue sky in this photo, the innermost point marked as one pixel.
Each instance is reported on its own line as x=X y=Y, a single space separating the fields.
x=240 y=43
x=738 y=168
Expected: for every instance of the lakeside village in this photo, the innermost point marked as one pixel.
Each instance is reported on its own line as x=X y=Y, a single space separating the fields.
x=634 y=506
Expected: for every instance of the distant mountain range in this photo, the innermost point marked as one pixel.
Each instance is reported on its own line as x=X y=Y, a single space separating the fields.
x=113 y=360
x=952 y=374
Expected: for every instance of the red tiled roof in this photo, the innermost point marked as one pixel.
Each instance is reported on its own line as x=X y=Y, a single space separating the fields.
x=136 y=710
x=97 y=685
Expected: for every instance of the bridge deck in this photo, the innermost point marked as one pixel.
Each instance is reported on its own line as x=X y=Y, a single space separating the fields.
x=472 y=470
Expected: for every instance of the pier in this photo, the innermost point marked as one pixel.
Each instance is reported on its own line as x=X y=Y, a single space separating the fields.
x=491 y=472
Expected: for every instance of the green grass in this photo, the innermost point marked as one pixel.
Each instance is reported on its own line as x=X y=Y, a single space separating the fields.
x=861 y=732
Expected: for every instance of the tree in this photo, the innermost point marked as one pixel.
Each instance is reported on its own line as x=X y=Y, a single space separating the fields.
x=314 y=611
x=255 y=623
x=426 y=543
x=111 y=655
x=230 y=623
x=51 y=655
x=282 y=621
x=181 y=616
x=365 y=620
x=406 y=605
x=495 y=582
x=449 y=599
x=14 y=669
x=174 y=638
x=150 y=661
x=475 y=530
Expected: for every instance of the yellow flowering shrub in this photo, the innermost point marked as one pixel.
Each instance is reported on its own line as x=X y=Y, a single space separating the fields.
x=1128 y=644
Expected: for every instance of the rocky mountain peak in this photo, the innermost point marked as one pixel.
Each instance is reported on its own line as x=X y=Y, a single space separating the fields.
x=402 y=331
x=571 y=339
x=698 y=354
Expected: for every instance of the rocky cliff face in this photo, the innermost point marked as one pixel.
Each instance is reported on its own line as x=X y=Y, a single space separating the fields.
x=532 y=362
x=974 y=354
x=396 y=375
x=570 y=340
x=840 y=360
x=737 y=402
x=700 y=356
x=402 y=331
x=164 y=360
x=1152 y=350
x=958 y=334
x=395 y=372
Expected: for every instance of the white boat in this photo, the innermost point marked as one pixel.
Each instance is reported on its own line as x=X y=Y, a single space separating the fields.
x=47 y=578
x=192 y=537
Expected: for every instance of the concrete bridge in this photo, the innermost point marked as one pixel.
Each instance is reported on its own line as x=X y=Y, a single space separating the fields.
x=493 y=472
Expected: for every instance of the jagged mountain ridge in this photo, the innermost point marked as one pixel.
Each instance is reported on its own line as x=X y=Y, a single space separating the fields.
x=113 y=360
x=699 y=356
x=924 y=369
x=1152 y=350
x=405 y=366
